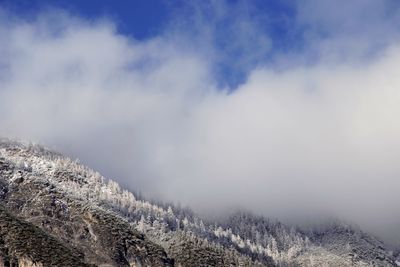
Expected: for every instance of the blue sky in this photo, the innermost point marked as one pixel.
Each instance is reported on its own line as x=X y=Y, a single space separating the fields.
x=145 y=19
x=243 y=34
x=141 y=19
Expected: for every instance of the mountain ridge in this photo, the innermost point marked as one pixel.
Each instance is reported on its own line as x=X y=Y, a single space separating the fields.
x=110 y=227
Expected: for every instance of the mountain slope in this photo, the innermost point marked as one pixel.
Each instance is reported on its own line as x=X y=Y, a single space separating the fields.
x=102 y=236
x=23 y=243
x=108 y=226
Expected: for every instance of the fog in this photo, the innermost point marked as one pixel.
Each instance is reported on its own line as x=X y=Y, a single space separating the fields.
x=310 y=133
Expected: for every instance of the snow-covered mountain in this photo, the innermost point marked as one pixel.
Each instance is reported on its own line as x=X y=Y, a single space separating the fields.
x=57 y=212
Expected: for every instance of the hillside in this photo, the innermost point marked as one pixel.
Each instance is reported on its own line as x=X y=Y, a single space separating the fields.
x=51 y=200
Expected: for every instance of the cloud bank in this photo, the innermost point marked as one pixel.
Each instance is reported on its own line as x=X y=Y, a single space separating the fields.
x=311 y=132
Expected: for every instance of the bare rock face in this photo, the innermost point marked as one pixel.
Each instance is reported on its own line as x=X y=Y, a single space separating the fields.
x=57 y=212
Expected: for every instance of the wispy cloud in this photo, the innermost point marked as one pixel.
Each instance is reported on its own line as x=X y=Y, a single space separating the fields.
x=293 y=139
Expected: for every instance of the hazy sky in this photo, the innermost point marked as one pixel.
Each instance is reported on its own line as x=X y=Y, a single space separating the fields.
x=288 y=109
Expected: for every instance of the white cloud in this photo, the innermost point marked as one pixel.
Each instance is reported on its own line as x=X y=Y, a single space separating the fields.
x=308 y=140
x=347 y=30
